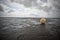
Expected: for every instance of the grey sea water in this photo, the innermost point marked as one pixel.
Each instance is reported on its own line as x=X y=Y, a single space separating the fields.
x=15 y=28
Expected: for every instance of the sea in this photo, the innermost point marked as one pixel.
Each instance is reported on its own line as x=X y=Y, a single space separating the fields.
x=17 y=28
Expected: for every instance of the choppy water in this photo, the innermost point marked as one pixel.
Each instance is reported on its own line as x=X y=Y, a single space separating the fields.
x=15 y=28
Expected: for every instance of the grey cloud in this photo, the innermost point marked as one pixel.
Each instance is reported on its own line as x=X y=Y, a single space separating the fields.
x=1 y=14
x=1 y=9
x=44 y=1
x=28 y=3
x=55 y=3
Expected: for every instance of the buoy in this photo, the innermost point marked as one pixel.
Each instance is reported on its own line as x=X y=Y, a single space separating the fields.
x=42 y=20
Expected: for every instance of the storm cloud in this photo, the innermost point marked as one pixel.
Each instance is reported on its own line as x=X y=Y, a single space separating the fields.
x=55 y=3
x=33 y=8
x=1 y=8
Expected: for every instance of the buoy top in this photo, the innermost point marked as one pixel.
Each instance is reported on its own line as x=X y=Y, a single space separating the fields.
x=42 y=20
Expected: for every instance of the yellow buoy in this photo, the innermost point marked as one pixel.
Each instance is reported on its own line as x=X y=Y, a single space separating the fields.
x=42 y=20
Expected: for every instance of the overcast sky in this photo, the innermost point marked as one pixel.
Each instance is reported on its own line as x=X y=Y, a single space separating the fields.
x=30 y=8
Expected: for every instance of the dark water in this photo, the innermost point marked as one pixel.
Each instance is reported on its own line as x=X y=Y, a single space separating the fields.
x=14 y=28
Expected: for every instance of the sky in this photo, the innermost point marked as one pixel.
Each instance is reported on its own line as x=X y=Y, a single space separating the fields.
x=30 y=8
